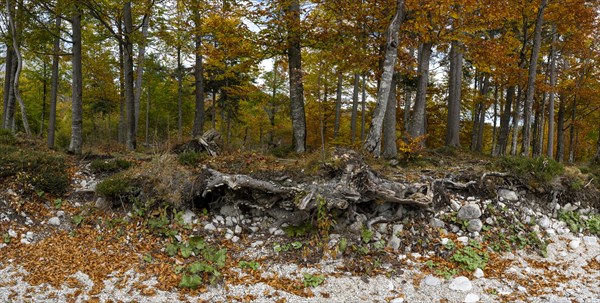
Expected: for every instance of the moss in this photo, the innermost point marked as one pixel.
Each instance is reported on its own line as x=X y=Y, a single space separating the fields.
x=43 y=171
x=7 y=137
x=112 y=165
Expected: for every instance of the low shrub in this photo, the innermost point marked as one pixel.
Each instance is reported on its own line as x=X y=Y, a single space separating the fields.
x=43 y=171
x=108 y=166
x=116 y=187
x=7 y=137
x=189 y=158
x=540 y=169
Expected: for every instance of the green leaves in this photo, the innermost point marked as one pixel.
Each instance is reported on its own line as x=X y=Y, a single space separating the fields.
x=313 y=280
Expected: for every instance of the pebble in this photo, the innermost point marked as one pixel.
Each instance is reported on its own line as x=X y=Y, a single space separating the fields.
x=590 y=241
x=188 y=217
x=574 y=244
x=12 y=233
x=60 y=213
x=394 y=241
x=445 y=241
x=54 y=221
x=478 y=273
x=436 y=223
x=475 y=225
x=508 y=195
x=210 y=227
x=469 y=211
x=454 y=204
x=253 y=228
x=522 y=289
x=228 y=222
x=471 y=298
x=463 y=240
x=235 y=239
x=238 y=229
x=397 y=300
x=544 y=222
x=432 y=281
x=228 y=236
x=461 y=284
x=257 y=243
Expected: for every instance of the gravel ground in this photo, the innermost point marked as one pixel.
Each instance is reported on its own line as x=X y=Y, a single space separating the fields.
x=579 y=265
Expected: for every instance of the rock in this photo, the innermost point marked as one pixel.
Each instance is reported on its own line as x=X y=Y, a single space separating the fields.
x=470 y=199
x=436 y=223
x=445 y=241
x=257 y=243
x=12 y=233
x=60 y=213
x=397 y=300
x=2 y=245
x=544 y=222
x=463 y=240
x=489 y=221
x=469 y=211
x=432 y=281
x=574 y=244
x=210 y=227
x=471 y=298
x=228 y=236
x=25 y=241
x=229 y=210
x=590 y=241
x=235 y=239
x=569 y=207
x=508 y=195
x=597 y=258
x=475 y=225
x=228 y=221
x=394 y=241
x=461 y=284
x=254 y=228
x=219 y=219
x=238 y=229
x=478 y=273
x=54 y=221
x=102 y=204
x=188 y=217
x=454 y=205
x=522 y=289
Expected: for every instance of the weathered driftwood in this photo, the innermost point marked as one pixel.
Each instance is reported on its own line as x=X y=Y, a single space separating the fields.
x=353 y=182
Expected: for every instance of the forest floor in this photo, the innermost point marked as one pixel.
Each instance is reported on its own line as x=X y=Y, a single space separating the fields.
x=534 y=243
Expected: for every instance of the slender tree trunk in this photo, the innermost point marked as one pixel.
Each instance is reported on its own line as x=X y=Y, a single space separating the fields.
x=54 y=87
x=353 y=118
x=7 y=85
x=140 y=70
x=454 y=96
x=128 y=76
x=550 y=147
x=338 y=105
x=417 y=127
x=44 y=97
x=495 y=121
x=390 y=149
x=198 y=128
x=121 y=131
x=485 y=87
x=505 y=122
x=19 y=61
x=515 y=123
x=572 y=131
x=560 y=130
x=179 y=96
x=11 y=108
x=292 y=12
x=77 y=115
x=147 y=115
x=363 y=108
x=272 y=105
x=538 y=144
x=537 y=41
x=372 y=143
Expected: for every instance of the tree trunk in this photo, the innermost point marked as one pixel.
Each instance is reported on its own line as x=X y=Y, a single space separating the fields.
x=390 y=149
x=515 y=122
x=454 y=96
x=505 y=122
x=550 y=147
x=128 y=76
x=19 y=61
x=44 y=96
x=537 y=41
x=560 y=130
x=292 y=12
x=572 y=131
x=8 y=112
x=77 y=115
x=372 y=143
x=198 y=128
x=121 y=131
x=485 y=87
x=338 y=105
x=179 y=96
x=495 y=121
x=354 y=107
x=147 y=116
x=417 y=127
x=363 y=107
x=140 y=70
x=539 y=128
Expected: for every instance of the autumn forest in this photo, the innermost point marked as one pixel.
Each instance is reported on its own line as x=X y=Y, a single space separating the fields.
x=502 y=77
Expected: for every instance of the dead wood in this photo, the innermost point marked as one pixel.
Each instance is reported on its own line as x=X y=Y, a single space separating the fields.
x=208 y=143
